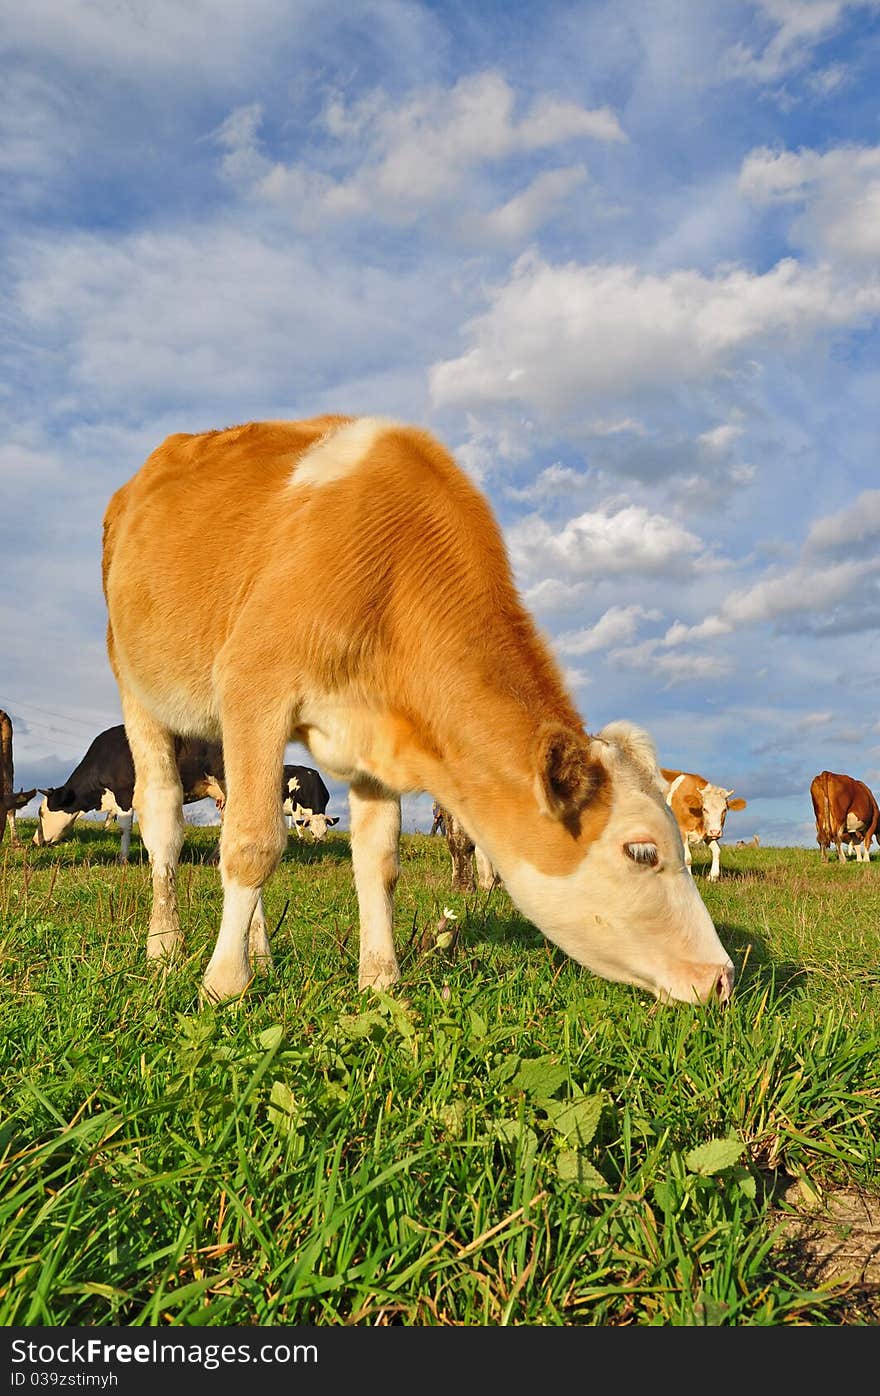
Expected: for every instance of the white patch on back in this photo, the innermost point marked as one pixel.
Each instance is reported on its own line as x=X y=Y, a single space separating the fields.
x=340 y=452
x=674 y=786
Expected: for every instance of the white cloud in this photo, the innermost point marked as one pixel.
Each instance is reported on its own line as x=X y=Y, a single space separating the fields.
x=720 y=438
x=209 y=315
x=136 y=39
x=617 y=626
x=412 y=155
x=805 y=597
x=856 y=528
x=673 y=669
x=839 y=191
x=561 y=337
x=797 y=27
x=628 y=541
x=551 y=595
x=525 y=212
x=556 y=481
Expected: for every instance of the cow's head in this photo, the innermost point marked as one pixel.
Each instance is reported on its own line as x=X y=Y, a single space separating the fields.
x=716 y=802
x=57 y=814
x=317 y=824
x=602 y=873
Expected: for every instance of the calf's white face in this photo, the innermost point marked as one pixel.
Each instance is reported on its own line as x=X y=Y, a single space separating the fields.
x=630 y=911
x=714 y=799
x=53 y=824
x=317 y=824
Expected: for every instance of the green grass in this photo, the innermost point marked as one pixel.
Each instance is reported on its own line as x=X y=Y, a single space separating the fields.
x=503 y=1139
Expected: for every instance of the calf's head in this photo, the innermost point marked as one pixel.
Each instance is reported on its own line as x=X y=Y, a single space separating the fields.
x=603 y=874
x=716 y=802
x=317 y=824
x=57 y=813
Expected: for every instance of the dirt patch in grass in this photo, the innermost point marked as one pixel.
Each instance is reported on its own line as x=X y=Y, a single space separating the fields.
x=833 y=1244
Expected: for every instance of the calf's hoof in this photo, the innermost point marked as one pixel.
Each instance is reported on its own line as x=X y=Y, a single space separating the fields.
x=375 y=973
x=222 y=982
x=164 y=945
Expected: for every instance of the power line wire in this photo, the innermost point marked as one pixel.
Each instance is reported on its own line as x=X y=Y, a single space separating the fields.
x=64 y=717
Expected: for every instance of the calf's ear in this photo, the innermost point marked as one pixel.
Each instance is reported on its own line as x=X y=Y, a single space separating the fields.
x=334 y=820
x=568 y=776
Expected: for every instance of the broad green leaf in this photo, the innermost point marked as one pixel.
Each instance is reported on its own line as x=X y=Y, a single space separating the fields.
x=577 y=1120
x=575 y=1168
x=715 y=1156
x=398 y=1011
x=476 y=1023
x=358 y=1025
x=270 y=1038
x=745 y=1182
x=712 y=1312
x=540 y=1076
x=283 y=1109
x=515 y=1132
x=665 y=1195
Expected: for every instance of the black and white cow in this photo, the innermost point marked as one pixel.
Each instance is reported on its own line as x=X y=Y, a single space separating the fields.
x=104 y=780
x=305 y=798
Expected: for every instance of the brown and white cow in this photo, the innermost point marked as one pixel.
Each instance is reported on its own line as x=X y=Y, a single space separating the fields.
x=846 y=815
x=470 y=866
x=360 y=671
x=700 y=809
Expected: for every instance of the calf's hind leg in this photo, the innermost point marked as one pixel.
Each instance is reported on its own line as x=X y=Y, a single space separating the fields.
x=375 y=838
x=158 y=799
x=251 y=842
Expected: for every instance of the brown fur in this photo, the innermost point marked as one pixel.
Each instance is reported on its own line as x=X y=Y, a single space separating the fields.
x=835 y=796
x=11 y=800
x=7 y=802
x=376 y=632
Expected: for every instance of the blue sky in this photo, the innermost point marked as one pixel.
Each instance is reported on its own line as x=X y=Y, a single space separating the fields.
x=622 y=258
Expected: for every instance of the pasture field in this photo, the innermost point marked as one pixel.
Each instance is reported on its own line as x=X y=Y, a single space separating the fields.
x=502 y=1139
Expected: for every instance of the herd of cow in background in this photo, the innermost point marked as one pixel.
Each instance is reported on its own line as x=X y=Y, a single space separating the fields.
x=845 y=808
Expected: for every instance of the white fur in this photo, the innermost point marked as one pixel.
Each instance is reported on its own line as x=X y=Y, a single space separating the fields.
x=339 y=453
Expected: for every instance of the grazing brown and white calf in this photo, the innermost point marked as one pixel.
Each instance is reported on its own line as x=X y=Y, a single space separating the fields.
x=360 y=672
x=700 y=809
x=846 y=815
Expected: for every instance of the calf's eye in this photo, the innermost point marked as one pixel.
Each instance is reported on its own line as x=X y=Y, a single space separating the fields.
x=642 y=852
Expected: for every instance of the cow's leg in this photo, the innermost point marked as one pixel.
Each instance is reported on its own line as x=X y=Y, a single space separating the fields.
x=125 y=822
x=838 y=842
x=13 y=832
x=258 y=940
x=486 y=876
x=158 y=799
x=251 y=843
x=715 y=870
x=375 y=838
